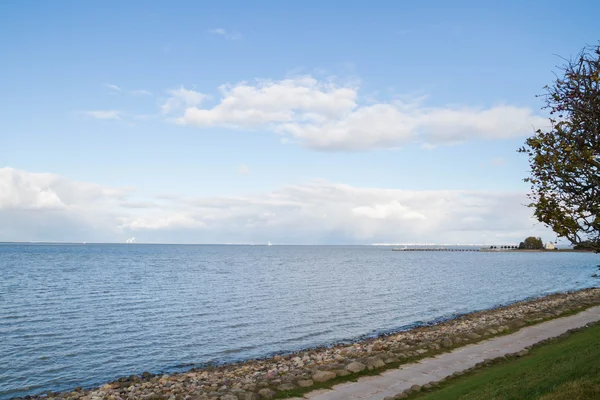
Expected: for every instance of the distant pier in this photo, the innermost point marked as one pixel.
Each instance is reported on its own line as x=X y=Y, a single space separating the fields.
x=432 y=249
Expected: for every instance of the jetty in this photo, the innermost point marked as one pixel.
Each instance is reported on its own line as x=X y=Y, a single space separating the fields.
x=432 y=249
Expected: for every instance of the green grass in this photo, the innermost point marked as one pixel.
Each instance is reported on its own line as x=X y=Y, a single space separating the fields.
x=568 y=368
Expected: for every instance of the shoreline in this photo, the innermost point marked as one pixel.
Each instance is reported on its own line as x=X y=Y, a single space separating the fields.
x=284 y=375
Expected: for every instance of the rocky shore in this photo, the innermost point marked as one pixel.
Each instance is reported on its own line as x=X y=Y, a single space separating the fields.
x=290 y=374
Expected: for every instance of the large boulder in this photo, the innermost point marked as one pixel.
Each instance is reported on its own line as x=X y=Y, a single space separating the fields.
x=304 y=383
x=355 y=367
x=248 y=396
x=266 y=393
x=286 y=386
x=323 y=376
x=374 y=362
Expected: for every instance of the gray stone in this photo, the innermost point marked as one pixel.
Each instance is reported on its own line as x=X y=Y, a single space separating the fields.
x=248 y=396
x=473 y=335
x=305 y=383
x=286 y=386
x=522 y=353
x=375 y=362
x=415 y=388
x=447 y=342
x=323 y=376
x=266 y=393
x=400 y=396
x=229 y=397
x=355 y=367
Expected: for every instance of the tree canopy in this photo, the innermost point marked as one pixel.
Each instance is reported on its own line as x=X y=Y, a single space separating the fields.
x=565 y=157
x=531 y=243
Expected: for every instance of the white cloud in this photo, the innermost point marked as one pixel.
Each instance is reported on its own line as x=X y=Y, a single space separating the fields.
x=103 y=114
x=286 y=101
x=328 y=116
x=43 y=206
x=36 y=206
x=389 y=211
x=21 y=190
x=173 y=221
x=243 y=170
x=231 y=35
x=113 y=87
x=141 y=92
x=182 y=98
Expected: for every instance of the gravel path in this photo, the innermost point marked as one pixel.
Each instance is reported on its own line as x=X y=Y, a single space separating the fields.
x=393 y=382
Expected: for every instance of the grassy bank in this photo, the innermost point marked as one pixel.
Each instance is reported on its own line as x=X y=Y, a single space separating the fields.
x=568 y=368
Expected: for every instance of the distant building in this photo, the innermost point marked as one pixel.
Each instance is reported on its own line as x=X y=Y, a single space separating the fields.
x=550 y=246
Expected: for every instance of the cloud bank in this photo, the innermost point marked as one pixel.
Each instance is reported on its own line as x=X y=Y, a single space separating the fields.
x=48 y=207
x=325 y=115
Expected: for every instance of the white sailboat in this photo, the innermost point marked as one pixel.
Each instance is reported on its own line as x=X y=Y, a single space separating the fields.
x=269 y=244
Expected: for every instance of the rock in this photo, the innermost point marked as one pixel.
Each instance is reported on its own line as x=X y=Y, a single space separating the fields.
x=473 y=335
x=341 y=372
x=415 y=388
x=375 y=362
x=388 y=398
x=266 y=393
x=400 y=396
x=522 y=353
x=355 y=367
x=421 y=351
x=304 y=383
x=447 y=342
x=229 y=397
x=323 y=376
x=248 y=396
x=286 y=386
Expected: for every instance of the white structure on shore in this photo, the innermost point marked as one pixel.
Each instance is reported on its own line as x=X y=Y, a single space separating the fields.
x=550 y=246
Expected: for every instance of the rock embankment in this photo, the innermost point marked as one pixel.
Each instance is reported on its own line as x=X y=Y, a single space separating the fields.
x=268 y=378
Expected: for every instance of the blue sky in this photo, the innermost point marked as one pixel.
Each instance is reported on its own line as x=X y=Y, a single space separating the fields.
x=413 y=97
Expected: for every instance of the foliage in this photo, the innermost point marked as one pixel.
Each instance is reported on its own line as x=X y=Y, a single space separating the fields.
x=585 y=245
x=532 y=243
x=565 y=157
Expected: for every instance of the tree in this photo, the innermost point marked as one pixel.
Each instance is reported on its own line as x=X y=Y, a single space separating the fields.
x=586 y=245
x=565 y=157
x=531 y=243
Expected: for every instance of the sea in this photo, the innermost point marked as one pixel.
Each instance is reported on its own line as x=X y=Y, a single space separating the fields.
x=85 y=314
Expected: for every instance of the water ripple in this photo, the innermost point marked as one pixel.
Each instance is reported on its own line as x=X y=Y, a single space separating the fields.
x=82 y=315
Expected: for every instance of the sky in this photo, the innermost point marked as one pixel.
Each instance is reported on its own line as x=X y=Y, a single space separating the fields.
x=292 y=122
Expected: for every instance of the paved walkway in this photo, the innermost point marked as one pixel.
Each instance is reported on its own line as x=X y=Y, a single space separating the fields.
x=394 y=381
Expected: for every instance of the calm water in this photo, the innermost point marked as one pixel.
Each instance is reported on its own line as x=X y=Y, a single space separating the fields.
x=80 y=315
